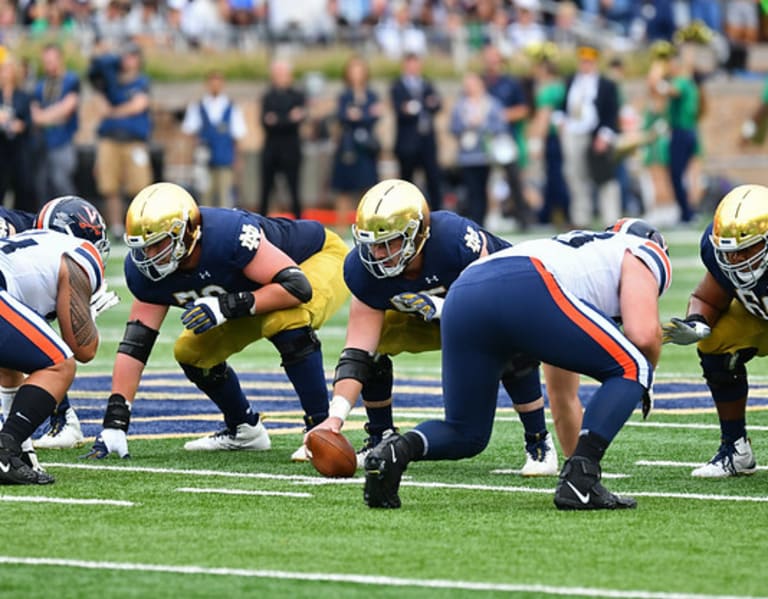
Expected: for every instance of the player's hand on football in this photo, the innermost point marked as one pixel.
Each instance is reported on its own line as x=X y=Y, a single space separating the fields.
x=110 y=440
x=102 y=300
x=202 y=315
x=685 y=331
x=429 y=307
x=331 y=423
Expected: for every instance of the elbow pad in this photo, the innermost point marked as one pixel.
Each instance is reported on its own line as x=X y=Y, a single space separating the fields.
x=137 y=341
x=295 y=282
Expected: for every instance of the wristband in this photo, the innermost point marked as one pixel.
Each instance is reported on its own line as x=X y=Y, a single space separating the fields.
x=748 y=129
x=339 y=408
x=691 y=318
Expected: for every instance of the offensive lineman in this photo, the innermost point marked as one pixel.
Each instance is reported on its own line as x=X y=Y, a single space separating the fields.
x=238 y=277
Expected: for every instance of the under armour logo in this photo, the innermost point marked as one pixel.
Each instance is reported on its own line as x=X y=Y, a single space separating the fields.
x=432 y=279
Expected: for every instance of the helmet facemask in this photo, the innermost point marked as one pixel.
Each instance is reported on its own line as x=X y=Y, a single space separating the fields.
x=745 y=273
x=166 y=260
x=401 y=247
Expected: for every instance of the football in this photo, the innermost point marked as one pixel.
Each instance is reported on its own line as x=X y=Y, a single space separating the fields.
x=331 y=453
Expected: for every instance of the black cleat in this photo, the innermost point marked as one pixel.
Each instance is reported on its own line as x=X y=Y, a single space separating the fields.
x=13 y=471
x=384 y=467
x=579 y=488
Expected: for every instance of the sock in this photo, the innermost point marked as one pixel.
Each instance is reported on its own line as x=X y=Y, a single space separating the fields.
x=731 y=430
x=222 y=386
x=308 y=379
x=64 y=405
x=31 y=407
x=591 y=446
x=6 y=397
x=534 y=425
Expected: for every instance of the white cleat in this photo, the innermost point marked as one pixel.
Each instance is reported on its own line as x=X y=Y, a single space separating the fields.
x=300 y=455
x=732 y=459
x=245 y=436
x=64 y=432
x=541 y=459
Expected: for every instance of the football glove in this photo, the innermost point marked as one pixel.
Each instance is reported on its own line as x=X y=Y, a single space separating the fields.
x=647 y=405
x=429 y=307
x=102 y=300
x=111 y=440
x=685 y=331
x=208 y=312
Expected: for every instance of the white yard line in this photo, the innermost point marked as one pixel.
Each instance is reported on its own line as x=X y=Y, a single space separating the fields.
x=242 y=492
x=317 y=481
x=363 y=579
x=64 y=500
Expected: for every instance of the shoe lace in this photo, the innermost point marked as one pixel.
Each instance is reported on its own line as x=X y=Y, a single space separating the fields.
x=537 y=450
x=57 y=424
x=724 y=456
x=225 y=432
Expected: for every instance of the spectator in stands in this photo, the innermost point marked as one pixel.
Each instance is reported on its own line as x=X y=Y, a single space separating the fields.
x=357 y=151
x=15 y=124
x=111 y=24
x=146 y=24
x=619 y=12
x=219 y=124
x=742 y=24
x=398 y=36
x=589 y=122
x=566 y=31
x=283 y=109
x=683 y=107
x=544 y=141
x=416 y=102
x=55 y=110
x=122 y=153
x=708 y=12
x=526 y=30
x=509 y=92
x=476 y=118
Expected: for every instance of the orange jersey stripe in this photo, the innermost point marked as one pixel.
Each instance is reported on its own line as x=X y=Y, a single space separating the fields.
x=654 y=247
x=32 y=333
x=88 y=247
x=599 y=335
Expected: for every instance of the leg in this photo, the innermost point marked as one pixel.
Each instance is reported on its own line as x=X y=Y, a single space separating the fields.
x=681 y=148
x=726 y=377
x=432 y=174
x=244 y=429
x=267 y=177
x=377 y=399
x=564 y=403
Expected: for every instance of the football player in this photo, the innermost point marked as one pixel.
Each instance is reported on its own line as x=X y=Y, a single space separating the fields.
x=237 y=277
x=64 y=429
x=46 y=272
x=405 y=261
x=727 y=317
x=555 y=300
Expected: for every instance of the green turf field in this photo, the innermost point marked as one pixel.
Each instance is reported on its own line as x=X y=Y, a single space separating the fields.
x=170 y=523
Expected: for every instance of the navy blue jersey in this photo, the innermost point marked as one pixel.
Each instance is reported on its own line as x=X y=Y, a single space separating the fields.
x=755 y=300
x=20 y=220
x=454 y=242
x=229 y=241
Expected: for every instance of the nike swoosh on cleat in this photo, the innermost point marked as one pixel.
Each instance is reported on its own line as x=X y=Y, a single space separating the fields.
x=583 y=498
x=394 y=455
x=5 y=467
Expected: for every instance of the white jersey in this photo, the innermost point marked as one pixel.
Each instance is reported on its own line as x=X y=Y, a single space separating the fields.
x=30 y=263
x=588 y=263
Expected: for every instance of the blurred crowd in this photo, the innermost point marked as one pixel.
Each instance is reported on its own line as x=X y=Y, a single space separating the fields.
x=537 y=147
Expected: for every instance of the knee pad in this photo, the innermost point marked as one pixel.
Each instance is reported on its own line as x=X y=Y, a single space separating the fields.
x=295 y=345
x=726 y=374
x=521 y=379
x=206 y=378
x=378 y=387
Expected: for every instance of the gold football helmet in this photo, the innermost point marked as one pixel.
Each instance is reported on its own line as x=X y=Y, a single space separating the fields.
x=740 y=235
x=391 y=226
x=162 y=227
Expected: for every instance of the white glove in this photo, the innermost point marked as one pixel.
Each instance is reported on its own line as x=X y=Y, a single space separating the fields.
x=110 y=440
x=429 y=307
x=685 y=331
x=205 y=313
x=102 y=300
